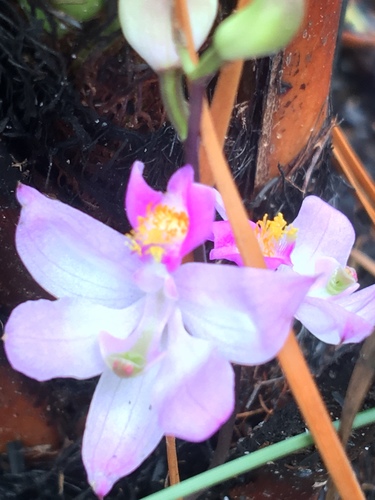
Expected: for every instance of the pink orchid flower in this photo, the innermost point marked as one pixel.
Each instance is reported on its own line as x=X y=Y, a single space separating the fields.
x=162 y=335
x=317 y=243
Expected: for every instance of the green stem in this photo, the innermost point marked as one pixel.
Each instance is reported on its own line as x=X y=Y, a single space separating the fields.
x=209 y=63
x=249 y=462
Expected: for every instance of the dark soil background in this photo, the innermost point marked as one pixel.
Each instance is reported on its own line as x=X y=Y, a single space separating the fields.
x=76 y=110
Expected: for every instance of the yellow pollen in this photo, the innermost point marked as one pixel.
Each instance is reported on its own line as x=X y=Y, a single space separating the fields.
x=162 y=227
x=271 y=232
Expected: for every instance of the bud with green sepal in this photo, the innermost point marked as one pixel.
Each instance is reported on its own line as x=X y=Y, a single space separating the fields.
x=260 y=29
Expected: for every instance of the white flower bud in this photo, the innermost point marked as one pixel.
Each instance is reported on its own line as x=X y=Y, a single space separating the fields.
x=148 y=27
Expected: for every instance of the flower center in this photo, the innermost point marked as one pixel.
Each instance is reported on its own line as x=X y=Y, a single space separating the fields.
x=161 y=229
x=341 y=279
x=126 y=364
x=275 y=235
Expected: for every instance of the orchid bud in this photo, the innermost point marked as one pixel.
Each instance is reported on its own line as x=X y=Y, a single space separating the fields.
x=148 y=27
x=259 y=29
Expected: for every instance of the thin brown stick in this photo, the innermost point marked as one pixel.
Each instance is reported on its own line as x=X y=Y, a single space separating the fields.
x=354 y=170
x=222 y=107
x=174 y=475
x=221 y=112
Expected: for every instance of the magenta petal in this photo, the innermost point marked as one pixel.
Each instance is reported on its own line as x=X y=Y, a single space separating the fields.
x=323 y=231
x=246 y=312
x=199 y=397
x=181 y=181
x=121 y=429
x=45 y=339
x=71 y=254
x=139 y=195
x=224 y=243
x=332 y=323
x=200 y=204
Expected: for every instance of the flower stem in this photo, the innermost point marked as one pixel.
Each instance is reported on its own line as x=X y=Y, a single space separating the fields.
x=191 y=145
x=171 y=88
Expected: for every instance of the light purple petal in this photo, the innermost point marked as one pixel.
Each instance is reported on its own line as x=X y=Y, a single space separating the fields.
x=323 y=231
x=361 y=302
x=198 y=397
x=46 y=339
x=246 y=312
x=139 y=195
x=121 y=429
x=71 y=254
x=332 y=323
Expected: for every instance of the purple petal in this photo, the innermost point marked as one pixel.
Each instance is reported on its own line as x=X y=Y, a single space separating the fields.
x=200 y=203
x=121 y=429
x=139 y=195
x=332 y=323
x=46 y=339
x=323 y=231
x=246 y=312
x=199 y=397
x=225 y=247
x=224 y=243
x=71 y=254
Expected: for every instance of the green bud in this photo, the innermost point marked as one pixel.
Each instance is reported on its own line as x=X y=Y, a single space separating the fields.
x=81 y=10
x=259 y=29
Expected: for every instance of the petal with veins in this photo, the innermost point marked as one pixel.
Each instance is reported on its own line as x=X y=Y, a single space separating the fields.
x=199 y=397
x=323 y=231
x=246 y=312
x=121 y=429
x=46 y=339
x=332 y=323
x=71 y=254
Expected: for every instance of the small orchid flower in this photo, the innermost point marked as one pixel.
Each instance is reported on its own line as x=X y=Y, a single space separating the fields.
x=160 y=334
x=317 y=243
